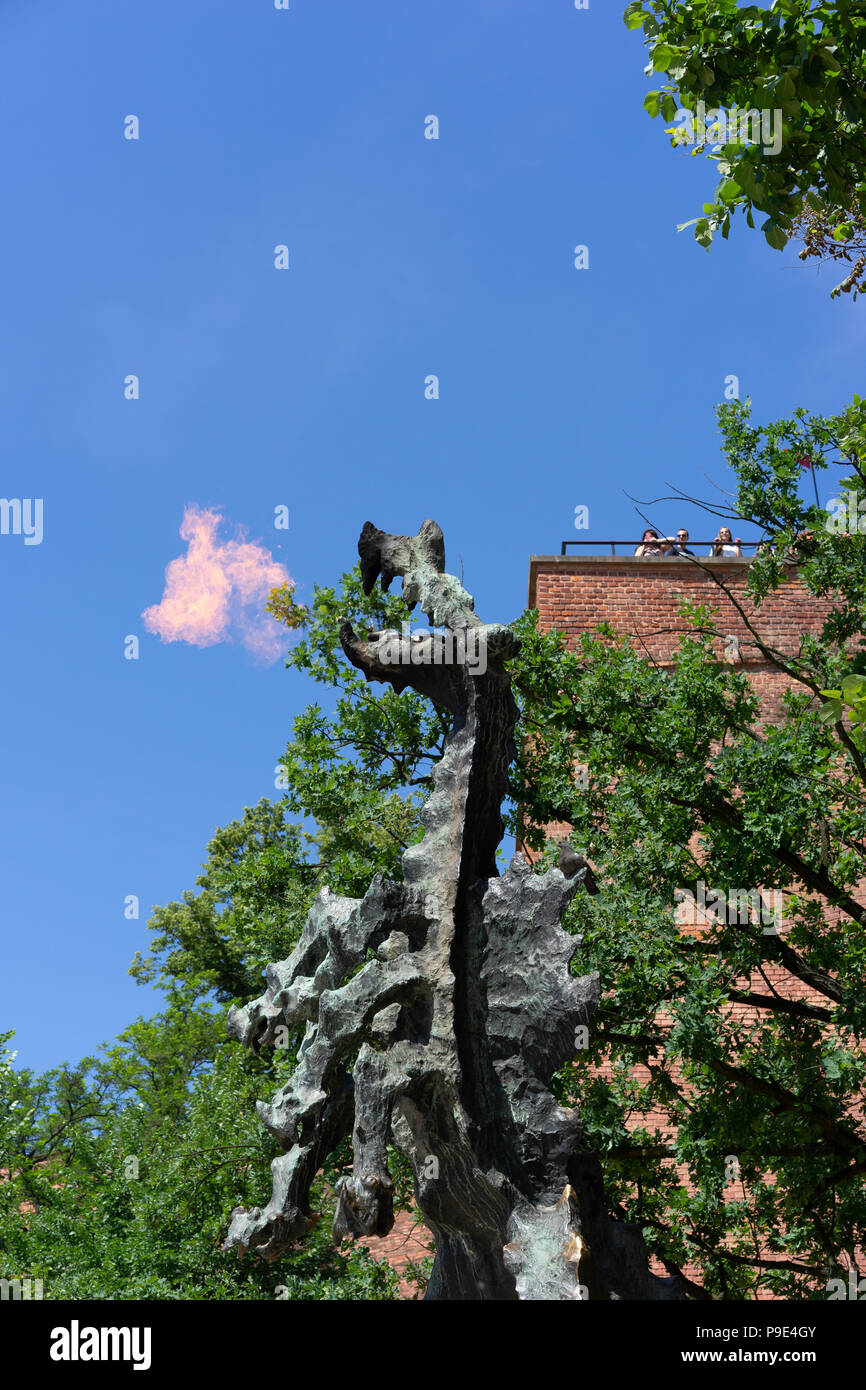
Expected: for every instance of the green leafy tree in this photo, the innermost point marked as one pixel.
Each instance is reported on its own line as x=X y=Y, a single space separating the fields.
x=124 y=1197
x=804 y=60
x=362 y=771
x=686 y=785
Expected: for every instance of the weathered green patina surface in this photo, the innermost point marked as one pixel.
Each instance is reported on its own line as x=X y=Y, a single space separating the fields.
x=437 y=1009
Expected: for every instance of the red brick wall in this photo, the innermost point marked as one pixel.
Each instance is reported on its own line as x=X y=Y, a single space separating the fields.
x=641 y=597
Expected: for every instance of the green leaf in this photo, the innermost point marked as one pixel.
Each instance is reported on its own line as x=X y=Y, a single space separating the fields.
x=828 y=60
x=853 y=688
x=662 y=56
x=832 y=1068
x=831 y=713
x=744 y=174
x=633 y=17
x=775 y=235
x=703 y=234
x=651 y=103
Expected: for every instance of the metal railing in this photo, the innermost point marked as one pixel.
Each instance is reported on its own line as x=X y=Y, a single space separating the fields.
x=631 y=545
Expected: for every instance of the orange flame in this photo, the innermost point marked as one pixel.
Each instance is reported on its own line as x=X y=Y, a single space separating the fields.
x=219 y=588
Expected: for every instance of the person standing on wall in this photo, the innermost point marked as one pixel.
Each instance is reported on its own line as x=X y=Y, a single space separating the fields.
x=723 y=545
x=679 y=544
x=650 y=544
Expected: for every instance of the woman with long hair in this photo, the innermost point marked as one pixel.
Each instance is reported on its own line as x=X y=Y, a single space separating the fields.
x=650 y=544
x=724 y=545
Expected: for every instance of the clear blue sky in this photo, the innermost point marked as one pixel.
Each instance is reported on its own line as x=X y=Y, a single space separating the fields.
x=305 y=387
